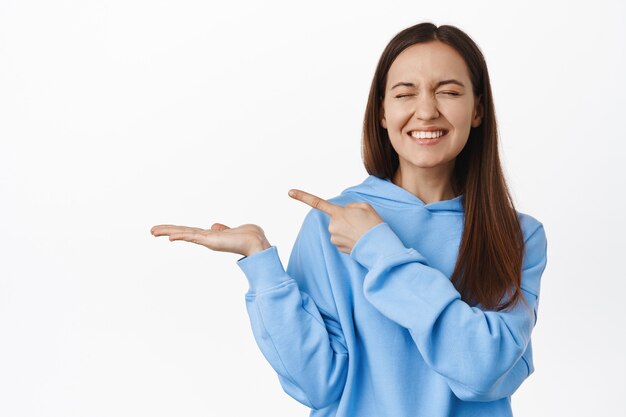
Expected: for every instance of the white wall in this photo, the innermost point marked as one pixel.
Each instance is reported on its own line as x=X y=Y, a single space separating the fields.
x=119 y=115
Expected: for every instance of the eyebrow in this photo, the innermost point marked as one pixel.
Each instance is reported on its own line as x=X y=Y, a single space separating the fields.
x=439 y=84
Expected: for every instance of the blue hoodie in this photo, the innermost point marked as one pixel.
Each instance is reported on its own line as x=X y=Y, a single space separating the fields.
x=382 y=331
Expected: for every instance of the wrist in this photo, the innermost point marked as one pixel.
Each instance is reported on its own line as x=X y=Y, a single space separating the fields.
x=258 y=247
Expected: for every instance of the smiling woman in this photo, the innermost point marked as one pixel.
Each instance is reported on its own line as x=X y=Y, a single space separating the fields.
x=414 y=293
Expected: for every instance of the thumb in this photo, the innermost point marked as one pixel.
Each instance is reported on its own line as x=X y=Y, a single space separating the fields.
x=219 y=227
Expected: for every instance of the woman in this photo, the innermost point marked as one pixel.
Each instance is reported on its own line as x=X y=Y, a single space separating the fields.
x=415 y=292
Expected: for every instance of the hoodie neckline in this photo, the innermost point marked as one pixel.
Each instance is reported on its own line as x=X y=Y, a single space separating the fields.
x=384 y=188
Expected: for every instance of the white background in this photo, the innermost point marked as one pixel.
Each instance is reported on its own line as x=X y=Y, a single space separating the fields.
x=119 y=115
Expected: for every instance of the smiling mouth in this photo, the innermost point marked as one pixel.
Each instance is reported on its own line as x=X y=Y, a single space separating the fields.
x=427 y=135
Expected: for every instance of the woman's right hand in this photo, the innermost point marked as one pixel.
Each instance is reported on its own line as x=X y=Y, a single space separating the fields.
x=246 y=239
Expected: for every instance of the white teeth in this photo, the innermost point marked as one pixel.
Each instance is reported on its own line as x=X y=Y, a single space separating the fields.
x=427 y=135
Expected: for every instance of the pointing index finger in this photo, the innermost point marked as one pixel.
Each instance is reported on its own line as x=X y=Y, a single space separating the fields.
x=314 y=201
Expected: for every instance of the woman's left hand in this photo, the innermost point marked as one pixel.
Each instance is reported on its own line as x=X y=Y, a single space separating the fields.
x=347 y=223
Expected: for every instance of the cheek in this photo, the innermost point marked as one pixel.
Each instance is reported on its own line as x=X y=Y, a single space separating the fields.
x=458 y=115
x=397 y=116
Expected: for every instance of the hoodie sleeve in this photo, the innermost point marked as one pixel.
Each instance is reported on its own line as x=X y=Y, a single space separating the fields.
x=294 y=320
x=483 y=355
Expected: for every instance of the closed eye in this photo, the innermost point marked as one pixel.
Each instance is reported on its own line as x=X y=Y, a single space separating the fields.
x=450 y=93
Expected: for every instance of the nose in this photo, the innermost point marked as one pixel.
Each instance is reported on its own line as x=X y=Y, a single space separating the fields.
x=426 y=107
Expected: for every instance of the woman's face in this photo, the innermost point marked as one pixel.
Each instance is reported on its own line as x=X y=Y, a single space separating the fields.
x=428 y=86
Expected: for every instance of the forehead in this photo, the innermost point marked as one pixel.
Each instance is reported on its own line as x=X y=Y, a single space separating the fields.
x=430 y=62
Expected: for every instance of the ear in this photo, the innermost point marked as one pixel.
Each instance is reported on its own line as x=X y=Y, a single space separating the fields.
x=478 y=112
x=381 y=109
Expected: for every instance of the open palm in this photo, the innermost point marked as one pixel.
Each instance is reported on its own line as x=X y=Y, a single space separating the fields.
x=246 y=239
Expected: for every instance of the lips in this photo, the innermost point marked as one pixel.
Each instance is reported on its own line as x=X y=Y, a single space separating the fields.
x=427 y=141
x=427 y=134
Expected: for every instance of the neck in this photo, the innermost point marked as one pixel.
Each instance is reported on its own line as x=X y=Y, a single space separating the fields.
x=428 y=184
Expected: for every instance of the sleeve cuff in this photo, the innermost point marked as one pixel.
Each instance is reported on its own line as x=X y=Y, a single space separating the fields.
x=263 y=269
x=376 y=244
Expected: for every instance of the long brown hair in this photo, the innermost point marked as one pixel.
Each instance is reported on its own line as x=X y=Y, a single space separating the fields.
x=489 y=264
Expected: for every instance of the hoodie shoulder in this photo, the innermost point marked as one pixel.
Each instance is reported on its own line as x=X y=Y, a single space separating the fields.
x=535 y=252
x=529 y=224
x=357 y=192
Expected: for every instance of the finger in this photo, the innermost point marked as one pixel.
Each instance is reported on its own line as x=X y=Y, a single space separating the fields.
x=212 y=239
x=361 y=204
x=219 y=227
x=186 y=236
x=314 y=201
x=168 y=229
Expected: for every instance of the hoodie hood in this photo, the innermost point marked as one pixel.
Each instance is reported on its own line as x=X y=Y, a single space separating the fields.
x=383 y=192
